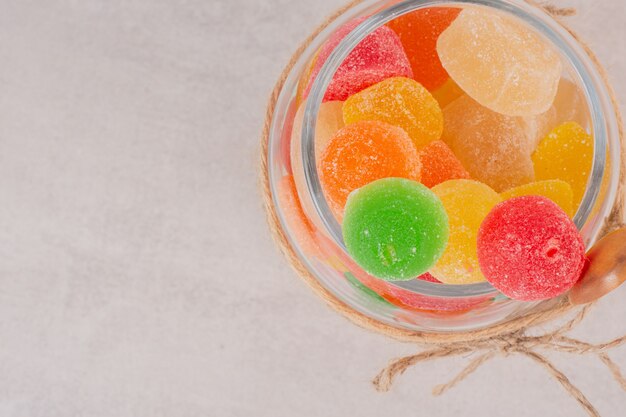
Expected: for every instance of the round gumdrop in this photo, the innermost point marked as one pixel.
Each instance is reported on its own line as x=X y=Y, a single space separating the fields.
x=418 y=32
x=494 y=148
x=566 y=154
x=378 y=56
x=364 y=152
x=401 y=102
x=395 y=229
x=529 y=249
x=467 y=203
x=500 y=62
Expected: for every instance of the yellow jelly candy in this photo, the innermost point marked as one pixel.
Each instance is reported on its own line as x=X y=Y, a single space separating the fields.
x=401 y=102
x=500 y=62
x=558 y=191
x=494 y=148
x=566 y=154
x=467 y=203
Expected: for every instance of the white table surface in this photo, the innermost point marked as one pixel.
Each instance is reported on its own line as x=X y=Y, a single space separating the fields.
x=137 y=275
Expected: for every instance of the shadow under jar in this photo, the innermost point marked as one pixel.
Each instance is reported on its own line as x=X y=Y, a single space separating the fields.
x=315 y=235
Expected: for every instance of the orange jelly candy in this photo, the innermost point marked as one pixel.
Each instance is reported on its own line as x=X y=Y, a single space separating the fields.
x=418 y=32
x=363 y=152
x=439 y=164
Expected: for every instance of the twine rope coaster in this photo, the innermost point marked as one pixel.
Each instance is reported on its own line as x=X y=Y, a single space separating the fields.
x=502 y=339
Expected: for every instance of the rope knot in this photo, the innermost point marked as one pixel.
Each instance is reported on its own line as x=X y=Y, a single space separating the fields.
x=504 y=345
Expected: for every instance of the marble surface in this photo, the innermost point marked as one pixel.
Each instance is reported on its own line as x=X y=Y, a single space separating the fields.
x=137 y=276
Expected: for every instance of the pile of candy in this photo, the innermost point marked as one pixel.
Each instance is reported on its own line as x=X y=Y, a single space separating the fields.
x=451 y=148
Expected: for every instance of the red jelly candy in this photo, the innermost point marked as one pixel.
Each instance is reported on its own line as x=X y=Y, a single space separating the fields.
x=377 y=57
x=529 y=249
x=419 y=31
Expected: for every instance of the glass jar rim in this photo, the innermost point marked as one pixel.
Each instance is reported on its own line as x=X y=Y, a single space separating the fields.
x=604 y=123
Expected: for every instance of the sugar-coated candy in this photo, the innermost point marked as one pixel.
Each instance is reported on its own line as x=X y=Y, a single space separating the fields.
x=377 y=57
x=557 y=191
x=395 y=228
x=566 y=154
x=500 y=62
x=401 y=102
x=299 y=224
x=494 y=148
x=364 y=152
x=418 y=32
x=529 y=249
x=447 y=93
x=439 y=164
x=467 y=203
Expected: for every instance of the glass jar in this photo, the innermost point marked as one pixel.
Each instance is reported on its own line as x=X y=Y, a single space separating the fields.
x=314 y=234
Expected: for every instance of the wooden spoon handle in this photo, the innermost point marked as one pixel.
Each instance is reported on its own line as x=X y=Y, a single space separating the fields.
x=606 y=269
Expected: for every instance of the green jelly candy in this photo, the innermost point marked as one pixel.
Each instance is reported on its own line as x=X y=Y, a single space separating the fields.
x=395 y=229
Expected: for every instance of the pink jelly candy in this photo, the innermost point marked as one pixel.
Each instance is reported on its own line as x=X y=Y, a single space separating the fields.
x=529 y=249
x=377 y=57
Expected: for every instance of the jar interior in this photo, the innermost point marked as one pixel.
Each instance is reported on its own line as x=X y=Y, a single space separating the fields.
x=316 y=235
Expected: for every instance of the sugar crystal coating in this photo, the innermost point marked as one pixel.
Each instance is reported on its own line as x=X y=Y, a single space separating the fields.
x=439 y=164
x=401 y=102
x=500 y=62
x=418 y=32
x=467 y=203
x=394 y=228
x=364 y=152
x=566 y=154
x=529 y=249
x=494 y=148
x=377 y=57
x=557 y=191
